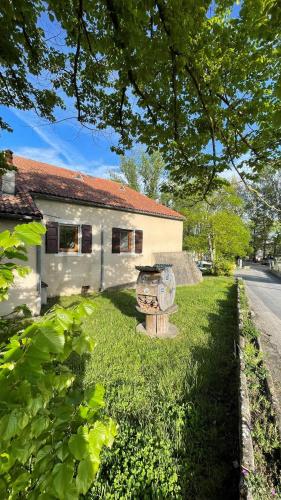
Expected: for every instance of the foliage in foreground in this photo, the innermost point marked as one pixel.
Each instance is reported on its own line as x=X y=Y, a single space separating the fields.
x=175 y=400
x=51 y=432
x=13 y=246
x=265 y=481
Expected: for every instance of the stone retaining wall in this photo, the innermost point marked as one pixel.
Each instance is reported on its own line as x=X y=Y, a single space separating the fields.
x=247 y=462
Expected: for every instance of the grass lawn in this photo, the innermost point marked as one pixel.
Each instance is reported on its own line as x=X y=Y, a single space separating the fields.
x=175 y=400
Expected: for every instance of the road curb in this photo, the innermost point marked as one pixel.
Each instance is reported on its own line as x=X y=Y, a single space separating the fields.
x=247 y=463
x=269 y=382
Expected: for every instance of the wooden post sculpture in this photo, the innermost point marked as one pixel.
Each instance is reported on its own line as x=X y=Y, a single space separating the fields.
x=156 y=289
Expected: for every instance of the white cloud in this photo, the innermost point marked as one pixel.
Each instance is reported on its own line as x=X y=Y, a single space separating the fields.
x=58 y=152
x=46 y=155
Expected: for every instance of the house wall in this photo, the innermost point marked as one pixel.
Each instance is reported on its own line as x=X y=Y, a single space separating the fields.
x=24 y=290
x=66 y=274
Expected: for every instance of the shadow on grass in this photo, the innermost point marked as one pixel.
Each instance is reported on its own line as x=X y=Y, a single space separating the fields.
x=211 y=439
x=125 y=301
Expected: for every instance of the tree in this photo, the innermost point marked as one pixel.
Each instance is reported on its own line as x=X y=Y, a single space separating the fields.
x=141 y=172
x=198 y=80
x=263 y=211
x=127 y=173
x=216 y=228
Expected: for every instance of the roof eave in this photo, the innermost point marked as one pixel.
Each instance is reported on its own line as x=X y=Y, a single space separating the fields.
x=7 y=215
x=104 y=205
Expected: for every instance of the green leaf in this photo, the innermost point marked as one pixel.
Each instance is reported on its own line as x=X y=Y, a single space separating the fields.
x=63 y=316
x=85 y=308
x=62 y=451
x=6 y=277
x=83 y=343
x=21 y=449
x=30 y=234
x=21 y=482
x=78 y=443
x=44 y=452
x=39 y=425
x=16 y=254
x=63 y=475
x=6 y=462
x=64 y=412
x=111 y=432
x=95 y=397
x=87 y=471
x=7 y=366
x=7 y=240
x=83 y=410
x=9 y=426
x=101 y=435
x=23 y=271
x=49 y=337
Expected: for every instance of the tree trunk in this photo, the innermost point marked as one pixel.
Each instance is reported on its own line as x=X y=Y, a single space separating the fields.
x=211 y=248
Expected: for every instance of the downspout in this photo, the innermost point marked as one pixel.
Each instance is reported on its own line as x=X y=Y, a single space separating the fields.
x=102 y=259
x=38 y=271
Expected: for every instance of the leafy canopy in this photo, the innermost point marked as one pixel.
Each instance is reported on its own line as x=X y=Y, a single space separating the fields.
x=198 y=80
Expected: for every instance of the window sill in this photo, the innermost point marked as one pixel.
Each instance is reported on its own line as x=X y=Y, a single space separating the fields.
x=69 y=254
x=128 y=254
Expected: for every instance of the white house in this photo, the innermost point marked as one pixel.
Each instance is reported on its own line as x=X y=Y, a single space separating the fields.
x=97 y=230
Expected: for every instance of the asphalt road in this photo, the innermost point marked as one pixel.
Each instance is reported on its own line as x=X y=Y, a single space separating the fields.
x=264 y=292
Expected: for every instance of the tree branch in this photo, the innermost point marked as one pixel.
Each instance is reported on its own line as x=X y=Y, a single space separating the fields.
x=76 y=60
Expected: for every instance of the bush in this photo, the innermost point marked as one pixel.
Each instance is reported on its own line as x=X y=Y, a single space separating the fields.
x=223 y=267
x=52 y=432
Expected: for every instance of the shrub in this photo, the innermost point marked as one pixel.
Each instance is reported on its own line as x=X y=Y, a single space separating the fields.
x=51 y=432
x=223 y=267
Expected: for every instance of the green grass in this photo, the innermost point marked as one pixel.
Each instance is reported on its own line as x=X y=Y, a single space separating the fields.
x=175 y=400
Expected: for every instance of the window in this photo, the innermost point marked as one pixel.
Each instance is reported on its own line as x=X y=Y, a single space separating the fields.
x=68 y=238
x=126 y=240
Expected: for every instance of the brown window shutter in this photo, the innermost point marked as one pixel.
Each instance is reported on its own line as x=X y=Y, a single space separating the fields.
x=86 y=238
x=52 y=235
x=138 y=241
x=130 y=240
x=115 y=240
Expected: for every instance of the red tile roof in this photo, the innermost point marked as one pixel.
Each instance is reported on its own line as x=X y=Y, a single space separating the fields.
x=44 y=179
x=18 y=205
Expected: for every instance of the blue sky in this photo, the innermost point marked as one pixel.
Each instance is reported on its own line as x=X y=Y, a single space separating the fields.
x=64 y=144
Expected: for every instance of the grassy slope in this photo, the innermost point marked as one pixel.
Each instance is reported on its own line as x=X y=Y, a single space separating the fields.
x=175 y=400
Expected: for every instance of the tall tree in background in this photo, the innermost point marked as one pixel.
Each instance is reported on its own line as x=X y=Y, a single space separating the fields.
x=198 y=80
x=264 y=217
x=127 y=173
x=141 y=172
